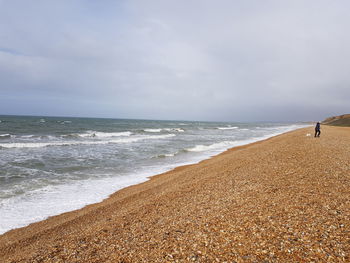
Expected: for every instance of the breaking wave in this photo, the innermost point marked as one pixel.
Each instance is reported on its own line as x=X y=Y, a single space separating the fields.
x=165 y=155
x=227 y=128
x=95 y=134
x=214 y=146
x=69 y=143
x=5 y=136
x=164 y=129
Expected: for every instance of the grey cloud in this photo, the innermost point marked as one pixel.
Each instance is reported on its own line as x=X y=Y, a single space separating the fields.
x=204 y=60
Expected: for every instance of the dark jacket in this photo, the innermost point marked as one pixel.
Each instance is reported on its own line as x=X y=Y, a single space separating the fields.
x=318 y=126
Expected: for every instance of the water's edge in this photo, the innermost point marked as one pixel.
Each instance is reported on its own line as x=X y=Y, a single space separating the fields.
x=135 y=180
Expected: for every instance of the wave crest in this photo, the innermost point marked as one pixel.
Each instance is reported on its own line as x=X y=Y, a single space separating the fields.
x=215 y=146
x=96 y=134
x=164 y=129
x=5 y=136
x=69 y=143
x=227 y=128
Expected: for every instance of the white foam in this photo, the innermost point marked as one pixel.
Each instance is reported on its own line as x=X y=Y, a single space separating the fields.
x=64 y=122
x=6 y=135
x=227 y=128
x=152 y=130
x=215 y=146
x=104 y=134
x=27 y=136
x=161 y=136
x=174 y=129
x=222 y=146
x=165 y=129
x=68 y=143
x=165 y=155
x=55 y=199
x=37 y=205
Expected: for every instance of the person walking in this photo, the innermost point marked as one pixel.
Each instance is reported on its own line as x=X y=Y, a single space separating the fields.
x=317 y=129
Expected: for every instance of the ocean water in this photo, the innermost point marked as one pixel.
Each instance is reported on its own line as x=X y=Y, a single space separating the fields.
x=51 y=165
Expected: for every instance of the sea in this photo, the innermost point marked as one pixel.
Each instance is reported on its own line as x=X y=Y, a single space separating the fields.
x=51 y=165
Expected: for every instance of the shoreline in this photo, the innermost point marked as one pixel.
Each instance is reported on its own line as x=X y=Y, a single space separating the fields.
x=238 y=205
x=137 y=178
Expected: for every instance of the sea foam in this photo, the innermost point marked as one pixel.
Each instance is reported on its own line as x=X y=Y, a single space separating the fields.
x=104 y=134
x=68 y=143
x=227 y=128
x=165 y=129
x=58 y=174
x=214 y=146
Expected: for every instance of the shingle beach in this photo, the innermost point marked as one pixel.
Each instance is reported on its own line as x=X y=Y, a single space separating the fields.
x=285 y=199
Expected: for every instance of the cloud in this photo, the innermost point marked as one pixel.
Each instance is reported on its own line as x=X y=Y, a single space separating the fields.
x=204 y=60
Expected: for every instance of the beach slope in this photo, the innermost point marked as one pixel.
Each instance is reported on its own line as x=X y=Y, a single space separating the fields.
x=285 y=199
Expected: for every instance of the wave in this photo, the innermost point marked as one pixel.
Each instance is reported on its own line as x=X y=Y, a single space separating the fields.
x=159 y=136
x=215 y=146
x=165 y=155
x=152 y=130
x=35 y=137
x=70 y=143
x=106 y=134
x=164 y=129
x=5 y=136
x=229 y=144
x=227 y=128
x=96 y=134
x=174 y=129
x=64 y=122
x=28 y=136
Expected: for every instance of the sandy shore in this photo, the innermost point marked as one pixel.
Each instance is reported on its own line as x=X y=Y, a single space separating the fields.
x=285 y=199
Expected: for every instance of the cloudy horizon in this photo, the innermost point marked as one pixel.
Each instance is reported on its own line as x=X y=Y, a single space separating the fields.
x=185 y=60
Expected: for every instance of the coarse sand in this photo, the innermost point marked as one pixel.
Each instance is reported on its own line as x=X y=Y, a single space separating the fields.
x=285 y=199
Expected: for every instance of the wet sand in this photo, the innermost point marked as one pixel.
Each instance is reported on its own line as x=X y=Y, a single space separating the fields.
x=285 y=199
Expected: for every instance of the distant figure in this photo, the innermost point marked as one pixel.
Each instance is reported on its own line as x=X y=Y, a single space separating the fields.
x=317 y=129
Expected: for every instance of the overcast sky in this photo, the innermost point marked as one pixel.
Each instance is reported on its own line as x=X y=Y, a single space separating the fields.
x=182 y=59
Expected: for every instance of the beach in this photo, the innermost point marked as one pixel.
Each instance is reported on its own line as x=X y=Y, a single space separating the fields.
x=284 y=199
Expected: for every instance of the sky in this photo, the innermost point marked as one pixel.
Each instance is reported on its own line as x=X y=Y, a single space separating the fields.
x=223 y=60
